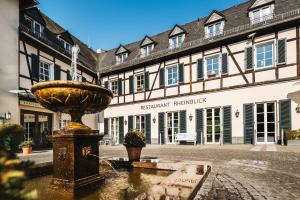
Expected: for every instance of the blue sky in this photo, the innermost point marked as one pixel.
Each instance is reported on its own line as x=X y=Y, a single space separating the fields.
x=107 y=23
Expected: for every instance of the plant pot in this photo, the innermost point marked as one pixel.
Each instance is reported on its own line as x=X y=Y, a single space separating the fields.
x=27 y=150
x=211 y=75
x=134 y=153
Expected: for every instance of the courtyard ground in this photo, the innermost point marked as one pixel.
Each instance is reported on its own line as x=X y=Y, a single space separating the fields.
x=238 y=171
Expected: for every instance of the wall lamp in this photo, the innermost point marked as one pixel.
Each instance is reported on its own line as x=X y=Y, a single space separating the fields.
x=154 y=120
x=237 y=113
x=298 y=108
x=191 y=117
x=125 y=122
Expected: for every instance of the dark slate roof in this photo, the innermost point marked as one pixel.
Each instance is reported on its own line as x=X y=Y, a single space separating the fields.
x=52 y=29
x=235 y=16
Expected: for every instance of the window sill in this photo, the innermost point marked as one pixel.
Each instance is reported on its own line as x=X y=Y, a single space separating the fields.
x=263 y=68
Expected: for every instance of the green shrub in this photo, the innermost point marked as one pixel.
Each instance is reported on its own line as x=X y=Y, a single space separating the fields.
x=291 y=134
x=10 y=136
x=26 y=143
x=135 y=138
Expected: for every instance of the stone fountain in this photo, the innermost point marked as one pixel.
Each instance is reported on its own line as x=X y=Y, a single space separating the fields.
x=73 y=168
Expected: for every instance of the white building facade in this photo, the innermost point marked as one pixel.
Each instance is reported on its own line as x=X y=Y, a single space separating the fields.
x=223 y=78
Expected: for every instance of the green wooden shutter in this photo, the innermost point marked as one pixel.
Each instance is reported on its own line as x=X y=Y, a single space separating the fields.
x=105 y=126
x=148 y=128
x=200 y=69
x=281 y=51
x=227 y=125
x=56 y=72
x=199 y=125
x=249 y=58
x=69 y=77
x=121 y=130
x=248 y=123
x=224 y=64
x=285 y=122
x=35 y=67
x=120 y=87
x=181 y=72
x=161 y=127
x=106 y=84
x=162 y=77
x=130 y=122
x=182 y=122
x=146 y=81
x=131 y=84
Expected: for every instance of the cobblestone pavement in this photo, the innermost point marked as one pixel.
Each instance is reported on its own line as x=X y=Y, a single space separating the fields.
x=238 y=171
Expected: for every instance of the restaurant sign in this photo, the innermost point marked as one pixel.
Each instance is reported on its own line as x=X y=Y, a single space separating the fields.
x=174 y=103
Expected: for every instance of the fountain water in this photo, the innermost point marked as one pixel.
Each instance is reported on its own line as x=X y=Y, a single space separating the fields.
x=73 y=168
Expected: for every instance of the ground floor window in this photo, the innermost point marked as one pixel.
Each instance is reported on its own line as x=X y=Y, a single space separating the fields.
x=38 y=126
x=172 y=126
x=140 y=122
x=114 y=129
x=213 y=124
x=265 y=122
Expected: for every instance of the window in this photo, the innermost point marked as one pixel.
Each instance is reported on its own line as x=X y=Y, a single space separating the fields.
x=145 y=51
x=214 y=29
x=35 y=26
x=172 y=75
x=114 y=87
x=213 y=66
x=140 y=82
x=176 y=41
x=262 y=14
x=114 y=129
x=140 y=122
x=66 y=45
x=45 y=71
x=264 y=56
x=121 y=58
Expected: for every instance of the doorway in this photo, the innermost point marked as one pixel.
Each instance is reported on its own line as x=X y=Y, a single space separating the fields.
x=213 y=125
x=172 y=126
x=265 y=122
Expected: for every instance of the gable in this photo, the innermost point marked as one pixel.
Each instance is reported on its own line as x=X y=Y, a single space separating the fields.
x=67 y=37
x=176 y=31
x=146 y=41
x=121 y=50
x=35 y=14
x=259 y=3
x=214 y=17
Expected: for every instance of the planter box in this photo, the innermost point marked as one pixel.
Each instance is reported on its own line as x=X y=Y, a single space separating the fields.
x=293 y=142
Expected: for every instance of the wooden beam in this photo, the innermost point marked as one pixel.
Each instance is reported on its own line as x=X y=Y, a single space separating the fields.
x=191 y=74
x=154 y=80
x=28 y=63
x=236 y=64
x=298 y=50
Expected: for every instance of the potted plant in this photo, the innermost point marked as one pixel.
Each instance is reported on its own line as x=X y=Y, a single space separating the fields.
x=134 y=142
x=291 y=137
x=212 y=74
x=26 y=146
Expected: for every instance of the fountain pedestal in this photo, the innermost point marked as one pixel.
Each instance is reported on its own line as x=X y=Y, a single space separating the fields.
x=75 y=165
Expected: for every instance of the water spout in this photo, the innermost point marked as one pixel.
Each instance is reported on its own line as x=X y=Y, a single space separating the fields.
x=107 y=162
x=75 y=52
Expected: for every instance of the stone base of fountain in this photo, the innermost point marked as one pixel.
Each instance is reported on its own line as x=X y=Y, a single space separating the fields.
x=75 y=159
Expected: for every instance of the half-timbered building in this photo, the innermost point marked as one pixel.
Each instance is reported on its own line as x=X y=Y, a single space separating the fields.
x=223 y=78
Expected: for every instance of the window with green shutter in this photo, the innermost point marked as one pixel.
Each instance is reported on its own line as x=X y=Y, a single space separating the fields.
x=120 y=92
x=227 y=128
x=224 y=64
x=148 y=128
x=281 y=51
x=161 y=127
x=182 y=122
x=285 y=121
x=121 y=130
x=105 y=126
x=248 y=123
x=106 y=84
x=162 y=77
x=130 y=122
x=35 y=67
x=69 y=77
x=199 y=125
x=181 y=73
x=146 y=81
x=131 y=84
x=249 y=58
x=199 y=69
x=56 y=72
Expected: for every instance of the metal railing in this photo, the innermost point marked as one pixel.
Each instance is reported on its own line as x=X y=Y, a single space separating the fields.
x=291 y=15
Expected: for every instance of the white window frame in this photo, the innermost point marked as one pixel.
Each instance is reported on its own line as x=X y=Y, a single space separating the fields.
x=273 y=55
x=65 y=43
x=219 y=65
x=115 y=92
x=209 y=35
x=141 y=122
x=146 y=50
x=116 y=128
x=166 y=75
x=136 y=82
x=262 y=17
x=33 y=24
x=51 y=69
x=173 y=45
x=121 y=57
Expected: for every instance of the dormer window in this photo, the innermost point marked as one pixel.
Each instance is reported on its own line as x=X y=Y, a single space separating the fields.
x=261 y=14
x=66 y=45
x=36 y=27
x=121 y=58
x=146 y=50
x=214 y=29
x=214 y=24
x=176 y=41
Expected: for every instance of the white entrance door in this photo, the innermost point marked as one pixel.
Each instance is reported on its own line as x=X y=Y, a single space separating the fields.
x=114 y=129
x=265 y=123
x=213 y=125
x=172 y=126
